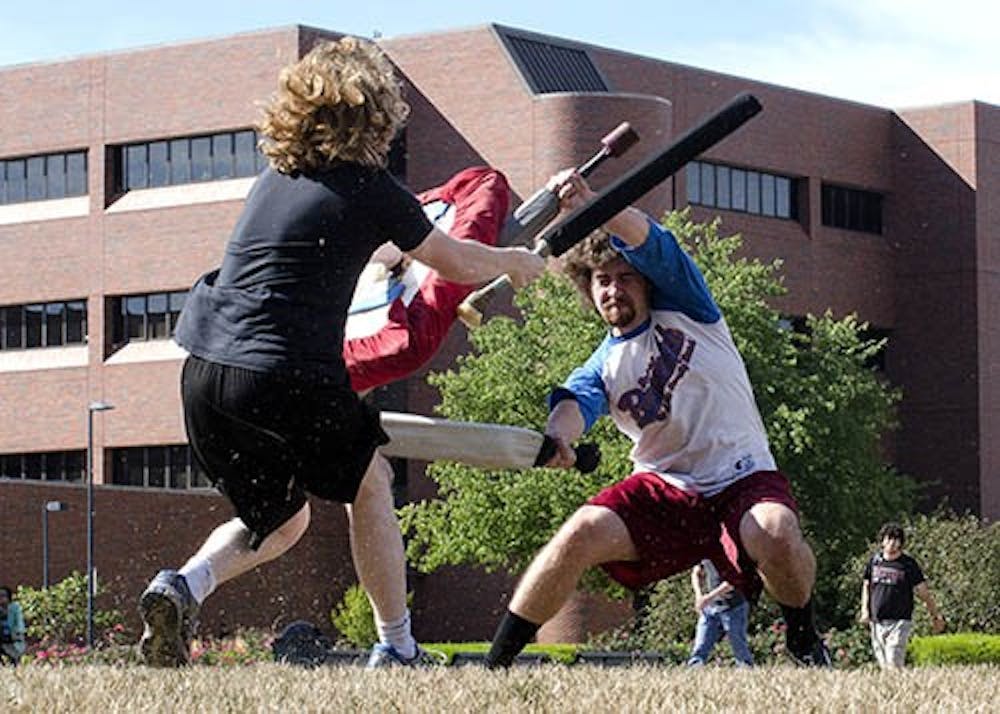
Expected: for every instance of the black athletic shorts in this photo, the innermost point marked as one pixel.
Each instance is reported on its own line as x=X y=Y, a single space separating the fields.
x=265 y=439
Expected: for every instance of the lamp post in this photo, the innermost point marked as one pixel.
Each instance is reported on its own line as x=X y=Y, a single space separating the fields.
x=47 y=508
x=91 y=408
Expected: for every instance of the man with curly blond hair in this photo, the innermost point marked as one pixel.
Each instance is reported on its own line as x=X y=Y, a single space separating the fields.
x=268 y=405
x=704 y=484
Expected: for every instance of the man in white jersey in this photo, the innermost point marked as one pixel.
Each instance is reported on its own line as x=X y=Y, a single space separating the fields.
x=704 y=483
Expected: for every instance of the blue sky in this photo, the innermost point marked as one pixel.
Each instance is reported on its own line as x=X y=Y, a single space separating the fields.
x=893 y=53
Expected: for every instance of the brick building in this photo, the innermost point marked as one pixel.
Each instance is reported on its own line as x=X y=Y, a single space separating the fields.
x=121 y=175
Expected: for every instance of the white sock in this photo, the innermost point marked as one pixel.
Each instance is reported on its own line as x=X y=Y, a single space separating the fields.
x=200 y=578
x=397 y=633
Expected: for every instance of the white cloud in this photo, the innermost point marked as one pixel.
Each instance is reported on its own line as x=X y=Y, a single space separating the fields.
x=881 y=52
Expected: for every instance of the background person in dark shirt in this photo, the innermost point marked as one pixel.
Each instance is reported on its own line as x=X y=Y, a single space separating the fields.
x=268 y=405
x=891 y=578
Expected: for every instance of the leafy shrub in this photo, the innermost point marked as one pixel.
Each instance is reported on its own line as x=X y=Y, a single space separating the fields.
x=59 y=614
x=959 y=648
x=960 y=556
x=354 y=619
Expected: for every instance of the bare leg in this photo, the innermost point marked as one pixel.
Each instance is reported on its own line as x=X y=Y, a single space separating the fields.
x=771 y=535
x=169 y=605
x=376 y=543
x=227 y=549
x=593 y=535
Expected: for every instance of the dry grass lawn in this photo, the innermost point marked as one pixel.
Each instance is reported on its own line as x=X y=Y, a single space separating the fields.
x=550 y=688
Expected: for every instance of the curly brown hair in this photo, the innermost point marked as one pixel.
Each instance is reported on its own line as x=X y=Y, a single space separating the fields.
x=580 y=261
x=342 y=102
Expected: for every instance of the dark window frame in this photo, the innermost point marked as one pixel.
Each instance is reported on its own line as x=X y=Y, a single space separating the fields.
x=712 y=184
x=173 y=465
x=852 y=209
x=181 y=160
x=52 y=324
x=148 y=321
x=42 y=177
x=62 y=466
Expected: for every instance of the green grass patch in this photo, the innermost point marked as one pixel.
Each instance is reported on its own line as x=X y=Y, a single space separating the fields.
x=958 y=648
x=563 y=653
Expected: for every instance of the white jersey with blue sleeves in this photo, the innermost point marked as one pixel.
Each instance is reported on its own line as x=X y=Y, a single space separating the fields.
x=676 y=385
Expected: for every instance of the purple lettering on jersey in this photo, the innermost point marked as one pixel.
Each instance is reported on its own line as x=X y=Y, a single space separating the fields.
x=650 y=401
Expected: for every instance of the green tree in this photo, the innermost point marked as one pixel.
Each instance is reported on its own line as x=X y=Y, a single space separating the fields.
x=824 y=407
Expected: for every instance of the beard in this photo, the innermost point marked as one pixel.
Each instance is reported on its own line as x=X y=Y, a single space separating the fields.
x=618 y=313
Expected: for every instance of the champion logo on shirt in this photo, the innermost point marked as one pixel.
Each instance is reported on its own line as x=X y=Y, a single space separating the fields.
x=650 y=401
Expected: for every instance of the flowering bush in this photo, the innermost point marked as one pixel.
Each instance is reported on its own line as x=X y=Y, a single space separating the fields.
x=117 y=647
x=245 y=647
x=851 y=647
x=113 y=647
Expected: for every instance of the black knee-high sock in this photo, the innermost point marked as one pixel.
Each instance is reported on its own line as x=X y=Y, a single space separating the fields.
x=513 y=633
x=801 y=623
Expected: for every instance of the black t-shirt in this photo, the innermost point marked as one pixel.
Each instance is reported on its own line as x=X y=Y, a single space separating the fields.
x=891 y=584
x=280 y=299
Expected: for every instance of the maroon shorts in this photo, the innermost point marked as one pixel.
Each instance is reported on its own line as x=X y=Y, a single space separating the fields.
x=674 y=530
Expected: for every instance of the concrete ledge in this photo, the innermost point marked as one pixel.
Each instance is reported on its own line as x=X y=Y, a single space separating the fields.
x=147 y=351
x=183 y=195
x=48 y=210
x=32 y=359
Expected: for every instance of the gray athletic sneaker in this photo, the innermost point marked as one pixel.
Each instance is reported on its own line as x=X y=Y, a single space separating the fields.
x=385 y=655
x=170 y=615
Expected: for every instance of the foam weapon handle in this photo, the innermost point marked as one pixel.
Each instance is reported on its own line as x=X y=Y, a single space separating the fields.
x=624 y=192
x=536 y=213
x=639 y=181
x=542 y=206
x=588 y=456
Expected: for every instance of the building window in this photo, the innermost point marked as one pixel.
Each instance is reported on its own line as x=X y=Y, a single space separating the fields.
x=553 y=67
x=852 y=208
x=44 y=466
x=50 y=324
x=152 y=316
x=43 y=177
x=736 y=189
x=170 y=467
x=169 y=162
